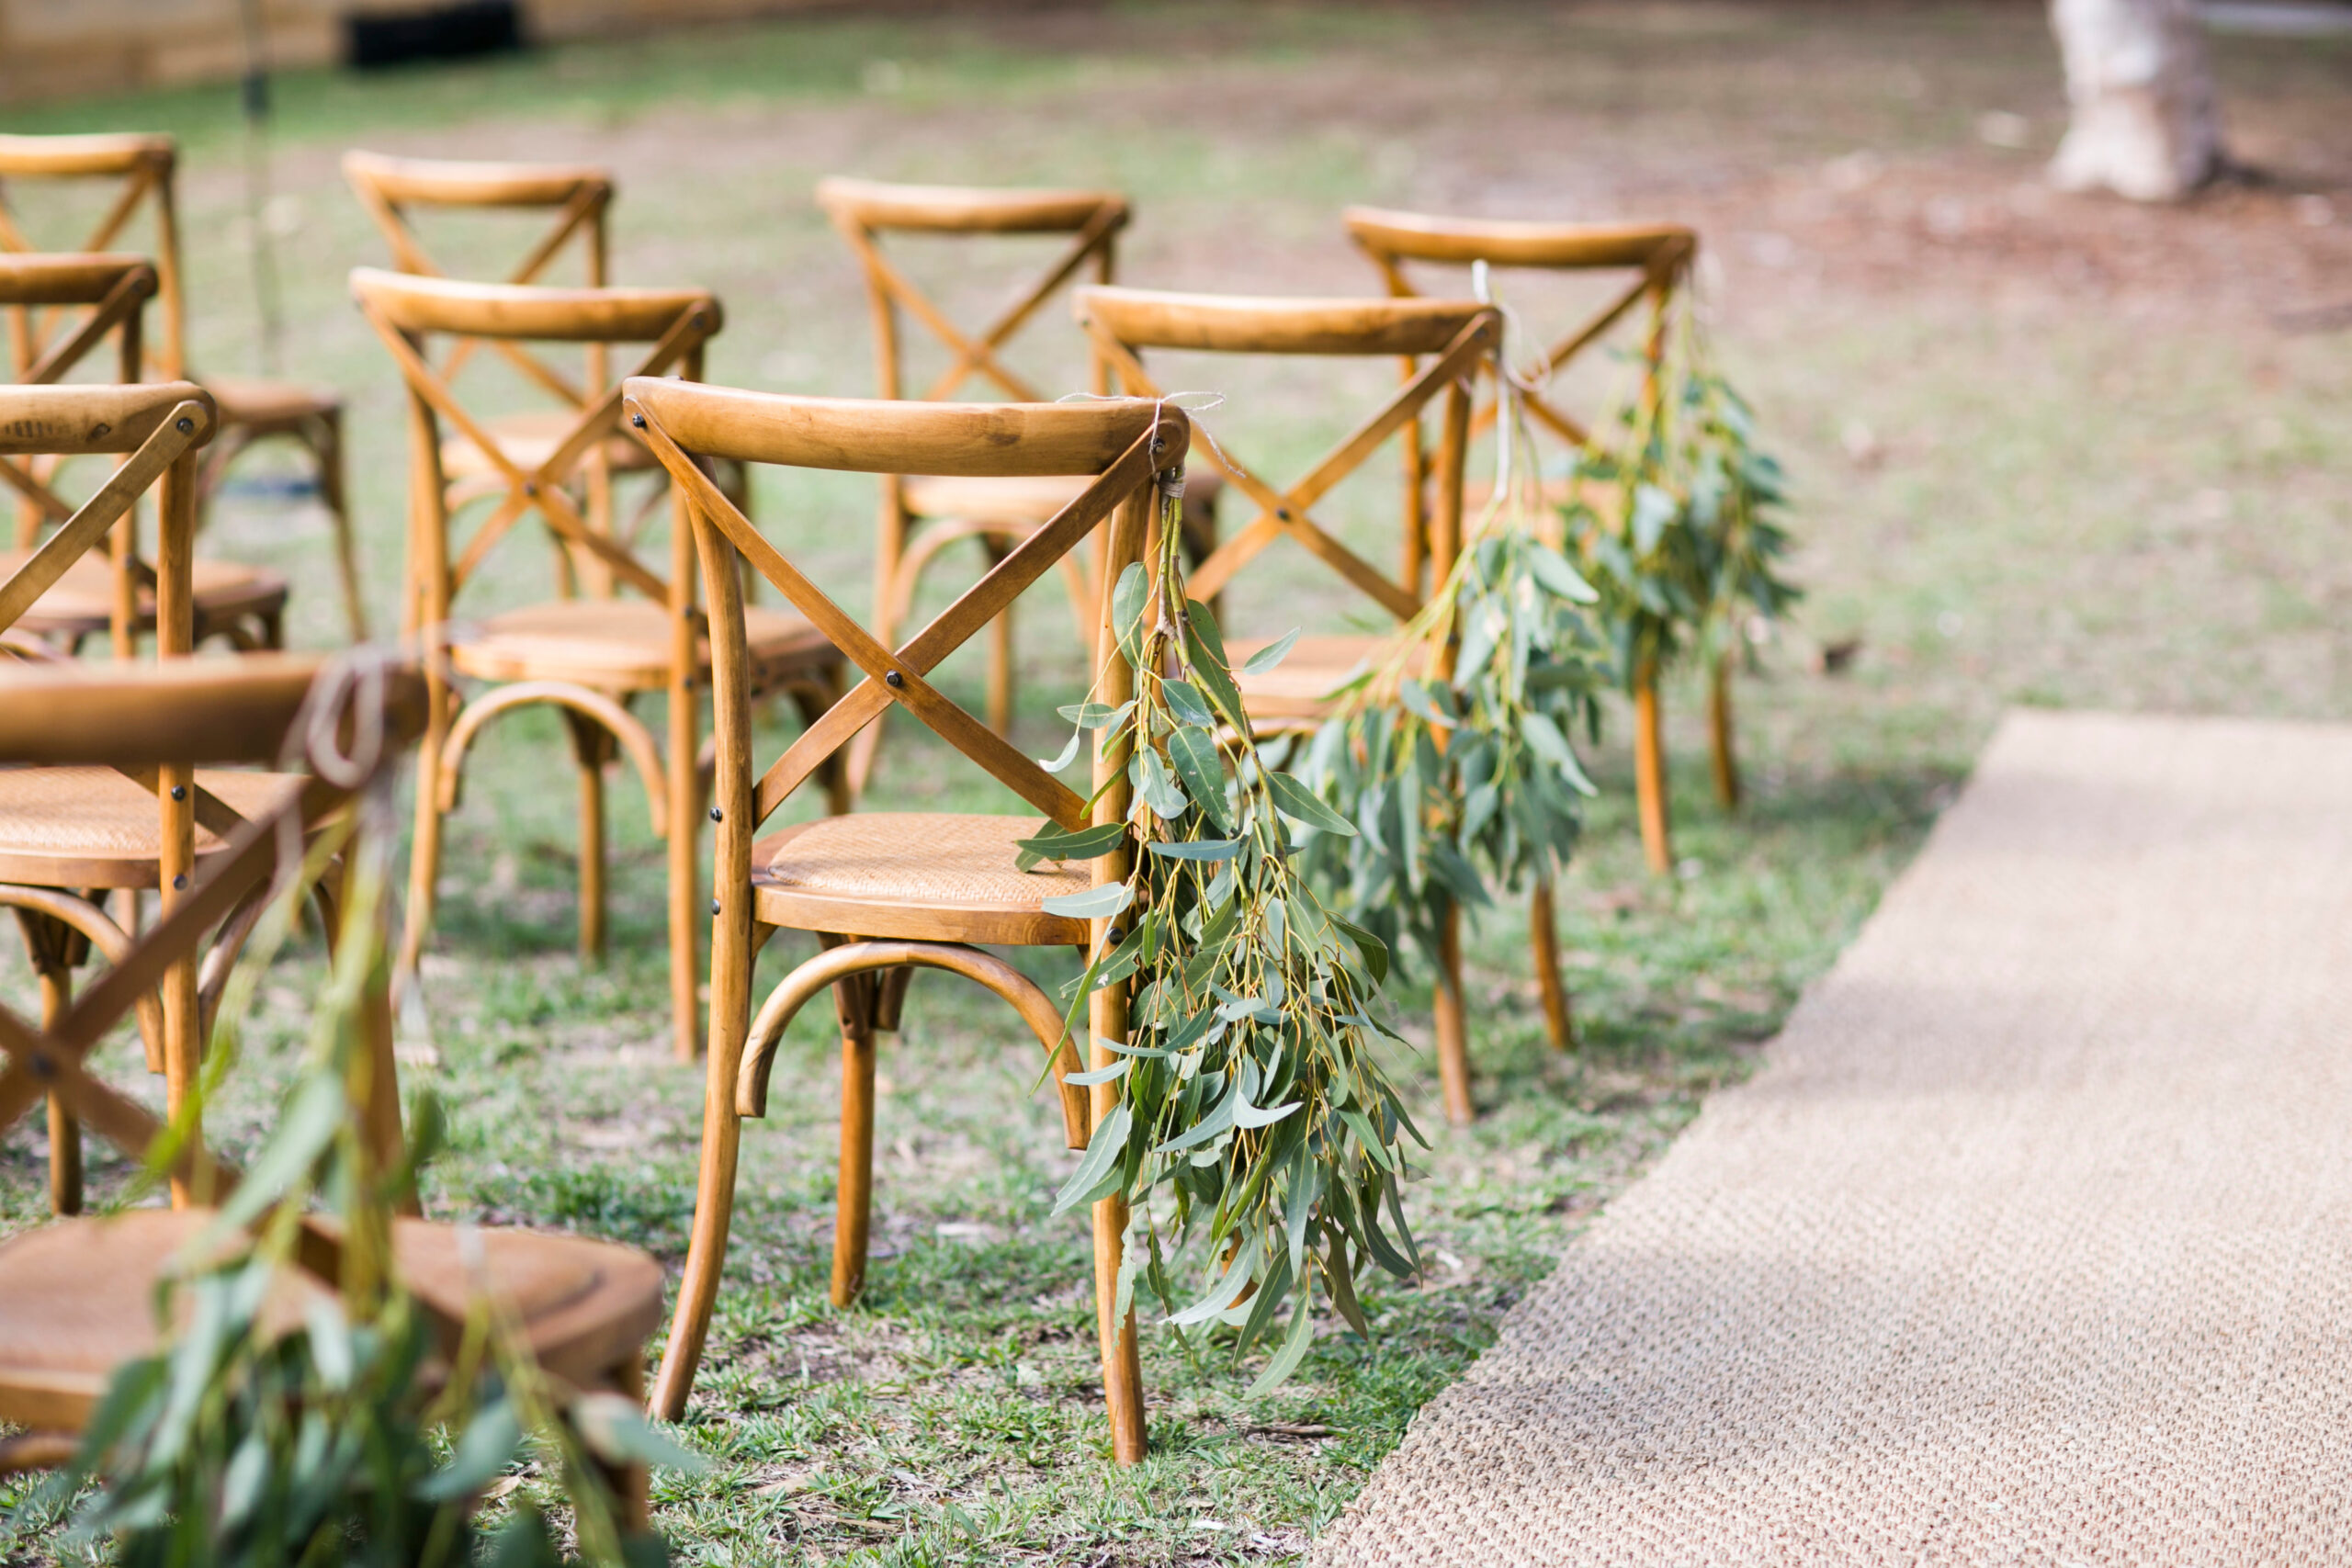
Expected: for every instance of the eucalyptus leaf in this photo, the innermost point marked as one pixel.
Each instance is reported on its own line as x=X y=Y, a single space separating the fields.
x=1263 y=661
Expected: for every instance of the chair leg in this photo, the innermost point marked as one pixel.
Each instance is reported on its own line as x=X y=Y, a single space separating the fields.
x=1000 y=659
x=1115 y=1335
x=592 y=748
x=1649 y=770
x=1719 y=733
x=854 y=1202
x=1559 y=1022
x=424 y=849
x=632 y=1503
x=1452 y=1034
x=325 y=441
x=722 y=1135
x=684 y=855
x=64 y=1131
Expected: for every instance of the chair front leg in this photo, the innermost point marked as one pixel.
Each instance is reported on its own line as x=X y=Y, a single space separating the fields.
x=853 y=1202
x=1452 y=1026
x=55 y=948
x=324 y=438
x=424 y=849
x=592 y=748
x=1559 y=1022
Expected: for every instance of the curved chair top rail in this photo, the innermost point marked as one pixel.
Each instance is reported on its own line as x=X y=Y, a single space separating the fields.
x=418 y=304
x=78 y=419
x=71 y=156
x=442 y=182
x=1418 y=236
x=177 y=710
x=51 y=277
x=881 y=435
x=968 y=210
x=1230 y=324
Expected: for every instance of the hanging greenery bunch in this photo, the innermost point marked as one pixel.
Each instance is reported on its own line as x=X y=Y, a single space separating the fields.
x=1453 y=757
x=1675 y=512
x=1257 y=1139
x=291 y=1420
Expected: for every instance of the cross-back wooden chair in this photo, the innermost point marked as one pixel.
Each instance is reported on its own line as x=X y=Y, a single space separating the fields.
x=1654 y=260
x=1446 y=340
x=889 y=891
x=924 y=514
x=251 y=409
x=246 y=604
x=71 y=835
x=585 y=657
x=77 y=1299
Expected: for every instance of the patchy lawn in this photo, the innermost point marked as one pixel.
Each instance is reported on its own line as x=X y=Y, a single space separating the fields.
x=2046 y=450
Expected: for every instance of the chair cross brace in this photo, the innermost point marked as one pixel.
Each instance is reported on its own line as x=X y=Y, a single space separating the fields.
x=542 y=488
x=898 y=677
x=1657 y=273
x=977 y=354
x=25 y=331
x=585 y=207
x=1288 y=512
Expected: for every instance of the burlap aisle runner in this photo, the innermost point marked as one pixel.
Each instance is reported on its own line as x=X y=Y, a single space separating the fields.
x=2031 y=1243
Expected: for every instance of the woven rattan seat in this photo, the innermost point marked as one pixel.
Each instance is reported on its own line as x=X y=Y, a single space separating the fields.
x=926 y=875
x=623 y=643
x=529 y=440
x=95 y=828
x=81 y=603
x=77 y=1300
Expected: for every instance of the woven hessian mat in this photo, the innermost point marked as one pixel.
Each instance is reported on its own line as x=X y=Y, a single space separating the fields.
x=2030 y=1241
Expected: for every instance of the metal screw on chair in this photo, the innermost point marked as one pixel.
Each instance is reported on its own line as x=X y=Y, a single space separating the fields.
x=187 y=426
x=716 y=815
x=894 y=678
x=179 y=792
x=1114 y=936
x=179 y=883
x=1282 y=513
x=529 y=487
x=638 y=420
x=714 y=906
x=40 y=1066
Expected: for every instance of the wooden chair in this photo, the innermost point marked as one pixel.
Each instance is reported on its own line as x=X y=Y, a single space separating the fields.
x=245 y=604
x=77 y=1299
x=1659 y=257
x=70 y=836
x=924 y=514
x=586 y=657
x=251 y=409
x=888 y=893
x=1446 y=340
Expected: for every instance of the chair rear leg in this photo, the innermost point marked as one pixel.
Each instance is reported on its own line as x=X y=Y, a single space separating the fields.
x=853 y=1202
x=1115 y=1333
x=1452 y=1027
x=999 y=657
x=592 y=748
x=55 y=948
x=1559 y=1022
x=325 y=440
x=425 y=848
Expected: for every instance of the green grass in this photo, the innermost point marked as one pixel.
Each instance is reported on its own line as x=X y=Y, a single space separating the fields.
x=2062 y=500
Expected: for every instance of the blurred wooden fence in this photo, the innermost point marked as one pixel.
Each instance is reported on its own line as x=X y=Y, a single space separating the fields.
x=56 y=49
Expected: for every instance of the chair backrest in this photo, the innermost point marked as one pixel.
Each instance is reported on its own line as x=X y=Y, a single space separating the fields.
x=157 y=725
x=112 y=288
x=1658 y=254
x=1125 y=445
x=1444 y=341
x=408 y=310
x=157 y=430
x=579 y=196
x=144 y=167
x=863 y=210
